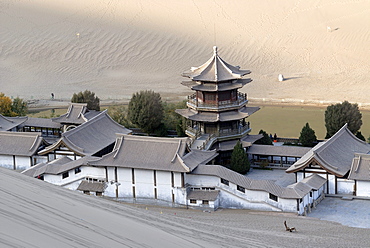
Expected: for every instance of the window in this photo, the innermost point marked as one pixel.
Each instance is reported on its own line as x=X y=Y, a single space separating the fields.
x=208 y=188
x=77 y=170
x=224 y=181
x=172 y=179
x=155 y=178
x=193 y=201
x=240 y=188
x=65 y=175
x=205 y=202
x=273 y=197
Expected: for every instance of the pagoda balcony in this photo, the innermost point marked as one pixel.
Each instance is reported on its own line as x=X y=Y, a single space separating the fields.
x=222 y=135
x=194 y=103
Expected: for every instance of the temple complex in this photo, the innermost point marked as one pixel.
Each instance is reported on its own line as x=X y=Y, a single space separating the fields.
x=217 y=112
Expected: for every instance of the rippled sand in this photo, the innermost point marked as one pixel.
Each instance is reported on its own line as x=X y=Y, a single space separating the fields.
x=116 y=48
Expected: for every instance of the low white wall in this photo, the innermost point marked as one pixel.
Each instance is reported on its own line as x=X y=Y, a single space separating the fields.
x=363 y=188
x=345 y=186
x=6 y=161
x=22 y=163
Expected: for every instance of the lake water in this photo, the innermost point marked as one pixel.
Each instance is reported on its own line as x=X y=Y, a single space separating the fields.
x=285 y=121
x=288 y=121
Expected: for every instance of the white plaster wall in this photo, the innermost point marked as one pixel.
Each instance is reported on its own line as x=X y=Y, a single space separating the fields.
x=54 y=179
x=363 y=188
x=111 y=188
x=288 y=205
x=345 y=186
x=177 y=179
x=229 y=200
x=331 y=180
x=164 y=187
x=22 y=163
x=201 y=180
x=40 y=159
x=86 y=171
x=6 y=161
x=144 y=183
x=256 y=195
x=180 y=195
x=230 y=197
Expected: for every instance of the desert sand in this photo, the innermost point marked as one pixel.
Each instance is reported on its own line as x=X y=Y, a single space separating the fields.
x=35 y=213
x=116 y=48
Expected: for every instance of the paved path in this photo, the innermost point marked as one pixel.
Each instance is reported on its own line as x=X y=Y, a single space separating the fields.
x=354 y=213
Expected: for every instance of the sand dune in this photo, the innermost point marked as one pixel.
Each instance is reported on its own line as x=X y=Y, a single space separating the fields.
x=38 y=214
x=116 y=48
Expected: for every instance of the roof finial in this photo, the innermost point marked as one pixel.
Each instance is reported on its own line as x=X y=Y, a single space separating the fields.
x=215 y=50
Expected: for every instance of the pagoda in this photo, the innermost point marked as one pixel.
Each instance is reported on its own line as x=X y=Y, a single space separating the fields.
x=217 y=112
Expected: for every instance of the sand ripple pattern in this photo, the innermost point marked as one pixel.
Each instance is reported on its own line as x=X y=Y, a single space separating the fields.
x=116 y=48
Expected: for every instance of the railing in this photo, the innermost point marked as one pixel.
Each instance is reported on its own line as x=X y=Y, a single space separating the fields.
x=214 y=136
x=241 y=99
x=195 y=132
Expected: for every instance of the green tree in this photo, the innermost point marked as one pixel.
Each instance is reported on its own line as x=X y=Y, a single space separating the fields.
x=145 y=110
x=307 y=137
x=19 y=107
x=93 y=102
x=6 y=105
x=265 y=140
x=360 y=136
x=239 y=159
x=119 y=114
x=337 y=115
x=368 y=140
x=172 y=120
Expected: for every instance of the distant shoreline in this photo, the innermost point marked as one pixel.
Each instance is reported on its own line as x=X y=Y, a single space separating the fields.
x=42 y=104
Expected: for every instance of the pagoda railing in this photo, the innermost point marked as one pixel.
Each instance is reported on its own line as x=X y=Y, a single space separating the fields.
x=222 y=133
x=194 y=102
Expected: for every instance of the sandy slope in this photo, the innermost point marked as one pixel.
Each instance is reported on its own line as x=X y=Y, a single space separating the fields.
x=116 y=48
x=38 y=214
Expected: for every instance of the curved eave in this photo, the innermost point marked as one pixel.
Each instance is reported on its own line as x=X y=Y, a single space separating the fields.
x=66 y=143
x=216 y=87
x=216 y=117
x=215 y=70
x=323 y=165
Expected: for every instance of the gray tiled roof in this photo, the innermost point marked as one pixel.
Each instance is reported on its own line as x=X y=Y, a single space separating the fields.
x=315 y=181
x=210 y=195
x=295 y=191
x=77 y=113
x=246 y=141
x=249 y=139
x=235 y=84
x=40 y=122
x=91 y=186
x=360 y=169
x=8 y=123
x=57 y=166
x=290 y=151
x=144 y=152
x=20 y=143
x=334 y=155
x=52 y=167
x=197 y=157
x=215 y=117
x=90 y=137
x=215 y=70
